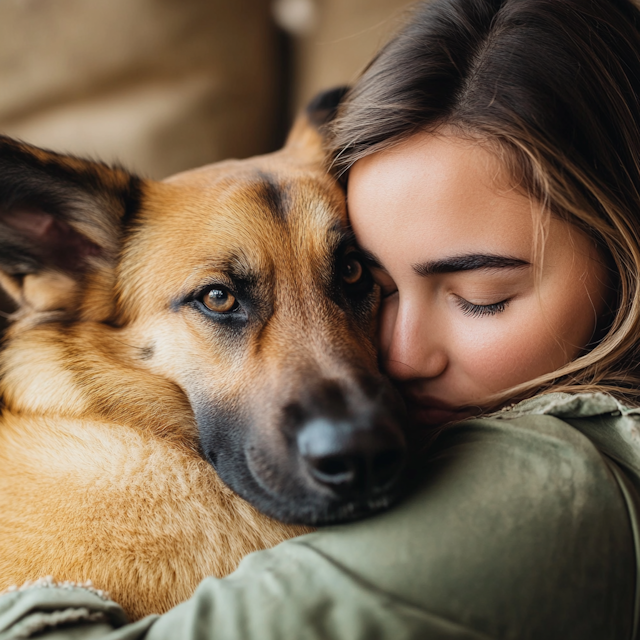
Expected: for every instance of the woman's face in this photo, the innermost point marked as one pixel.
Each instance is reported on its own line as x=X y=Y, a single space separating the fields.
x=464 y=314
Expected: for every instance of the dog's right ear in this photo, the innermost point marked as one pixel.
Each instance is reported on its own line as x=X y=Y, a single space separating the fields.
x=306 y=136
x=61 y=218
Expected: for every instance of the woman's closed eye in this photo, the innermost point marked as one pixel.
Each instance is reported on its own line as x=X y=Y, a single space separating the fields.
x=481 y=294
x=481 y=310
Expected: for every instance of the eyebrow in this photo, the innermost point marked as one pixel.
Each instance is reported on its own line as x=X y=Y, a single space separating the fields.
x=469 y=262
x=466 y=262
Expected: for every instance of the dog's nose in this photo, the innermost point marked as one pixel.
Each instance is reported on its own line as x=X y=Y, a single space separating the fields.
x=350 y=458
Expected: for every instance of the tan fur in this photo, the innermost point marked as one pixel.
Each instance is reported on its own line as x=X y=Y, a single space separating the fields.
x=101 y=477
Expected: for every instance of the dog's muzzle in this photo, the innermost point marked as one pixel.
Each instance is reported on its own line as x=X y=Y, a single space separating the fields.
x=333 y=453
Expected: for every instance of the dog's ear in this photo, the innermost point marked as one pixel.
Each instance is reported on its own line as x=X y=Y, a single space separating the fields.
x=323 y=108
x=306 y=136
x=61 y=218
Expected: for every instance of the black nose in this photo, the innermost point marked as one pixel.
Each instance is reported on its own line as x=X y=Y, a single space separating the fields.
x=351 y=458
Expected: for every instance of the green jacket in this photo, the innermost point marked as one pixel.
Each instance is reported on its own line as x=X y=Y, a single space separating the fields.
x=525 y=525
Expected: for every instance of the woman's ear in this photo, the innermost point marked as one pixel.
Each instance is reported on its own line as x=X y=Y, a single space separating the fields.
x=61 y=218
x=306 y=137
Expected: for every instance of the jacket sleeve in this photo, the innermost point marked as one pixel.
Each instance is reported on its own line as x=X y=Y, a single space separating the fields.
x=293 y=592
x=517 y=529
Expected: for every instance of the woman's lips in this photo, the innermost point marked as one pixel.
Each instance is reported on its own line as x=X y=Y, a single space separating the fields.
x=430 y=411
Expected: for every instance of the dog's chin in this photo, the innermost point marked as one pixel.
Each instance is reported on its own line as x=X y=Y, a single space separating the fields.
x=340 y=512
x=301 y=507
x=314 y=512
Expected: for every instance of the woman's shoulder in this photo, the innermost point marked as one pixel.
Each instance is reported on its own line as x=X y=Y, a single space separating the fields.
x=610 y=425
x=519 y=520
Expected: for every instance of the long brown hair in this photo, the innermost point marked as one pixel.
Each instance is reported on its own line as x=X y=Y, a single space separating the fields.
x=554 y=85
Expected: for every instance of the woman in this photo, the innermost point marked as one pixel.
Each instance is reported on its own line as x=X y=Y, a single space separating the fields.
x=491 y=155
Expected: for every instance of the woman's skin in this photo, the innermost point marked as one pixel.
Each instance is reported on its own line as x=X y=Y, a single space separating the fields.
x=464 y=314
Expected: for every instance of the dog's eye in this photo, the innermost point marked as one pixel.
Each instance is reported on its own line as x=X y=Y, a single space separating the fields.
x=352 y=269
x=219 y=300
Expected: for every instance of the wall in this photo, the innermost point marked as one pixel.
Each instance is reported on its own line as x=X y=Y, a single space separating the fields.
x=161 y=85
x=334 y=39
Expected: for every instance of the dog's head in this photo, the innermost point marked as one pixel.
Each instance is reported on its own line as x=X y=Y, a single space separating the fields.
x=238 y=282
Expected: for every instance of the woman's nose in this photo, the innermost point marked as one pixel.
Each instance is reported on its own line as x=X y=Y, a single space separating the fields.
x=410 y=346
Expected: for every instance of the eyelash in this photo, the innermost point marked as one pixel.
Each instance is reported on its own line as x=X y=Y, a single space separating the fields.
x=481 y=310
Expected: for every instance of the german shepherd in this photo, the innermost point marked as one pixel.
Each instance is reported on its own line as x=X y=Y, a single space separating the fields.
x=188 y=360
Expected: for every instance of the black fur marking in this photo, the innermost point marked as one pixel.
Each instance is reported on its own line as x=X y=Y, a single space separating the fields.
x=23 y=173
x=16 y=256
x=146 y=353
x=273 y=195
x=132 y=200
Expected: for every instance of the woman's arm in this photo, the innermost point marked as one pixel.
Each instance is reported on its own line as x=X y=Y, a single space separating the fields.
x=518 y=529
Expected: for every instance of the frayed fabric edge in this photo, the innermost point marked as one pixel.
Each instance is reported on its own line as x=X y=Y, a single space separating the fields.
x=49 y=582
x=38 y=623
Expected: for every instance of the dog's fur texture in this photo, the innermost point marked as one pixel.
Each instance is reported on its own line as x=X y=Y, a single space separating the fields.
x=122 y=391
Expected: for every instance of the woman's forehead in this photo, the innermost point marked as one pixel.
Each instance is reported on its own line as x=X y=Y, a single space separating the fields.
x=441 y=192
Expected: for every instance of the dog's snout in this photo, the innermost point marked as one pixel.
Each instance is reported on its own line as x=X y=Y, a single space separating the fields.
x=344 y=444
x=351 y=458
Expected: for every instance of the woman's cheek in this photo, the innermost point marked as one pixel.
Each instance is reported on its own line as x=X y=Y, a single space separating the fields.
x=499 y=352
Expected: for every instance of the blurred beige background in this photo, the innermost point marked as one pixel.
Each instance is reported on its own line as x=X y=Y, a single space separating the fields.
x=165 y=85
x=337 y=39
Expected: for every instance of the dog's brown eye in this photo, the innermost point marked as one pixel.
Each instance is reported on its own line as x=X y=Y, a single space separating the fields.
x=219 y=300
x=352 y=270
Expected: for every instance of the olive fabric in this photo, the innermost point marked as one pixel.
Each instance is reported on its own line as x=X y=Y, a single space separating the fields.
x=523 y=525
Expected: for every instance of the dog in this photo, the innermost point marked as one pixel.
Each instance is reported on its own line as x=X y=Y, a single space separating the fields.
x=190 y=367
